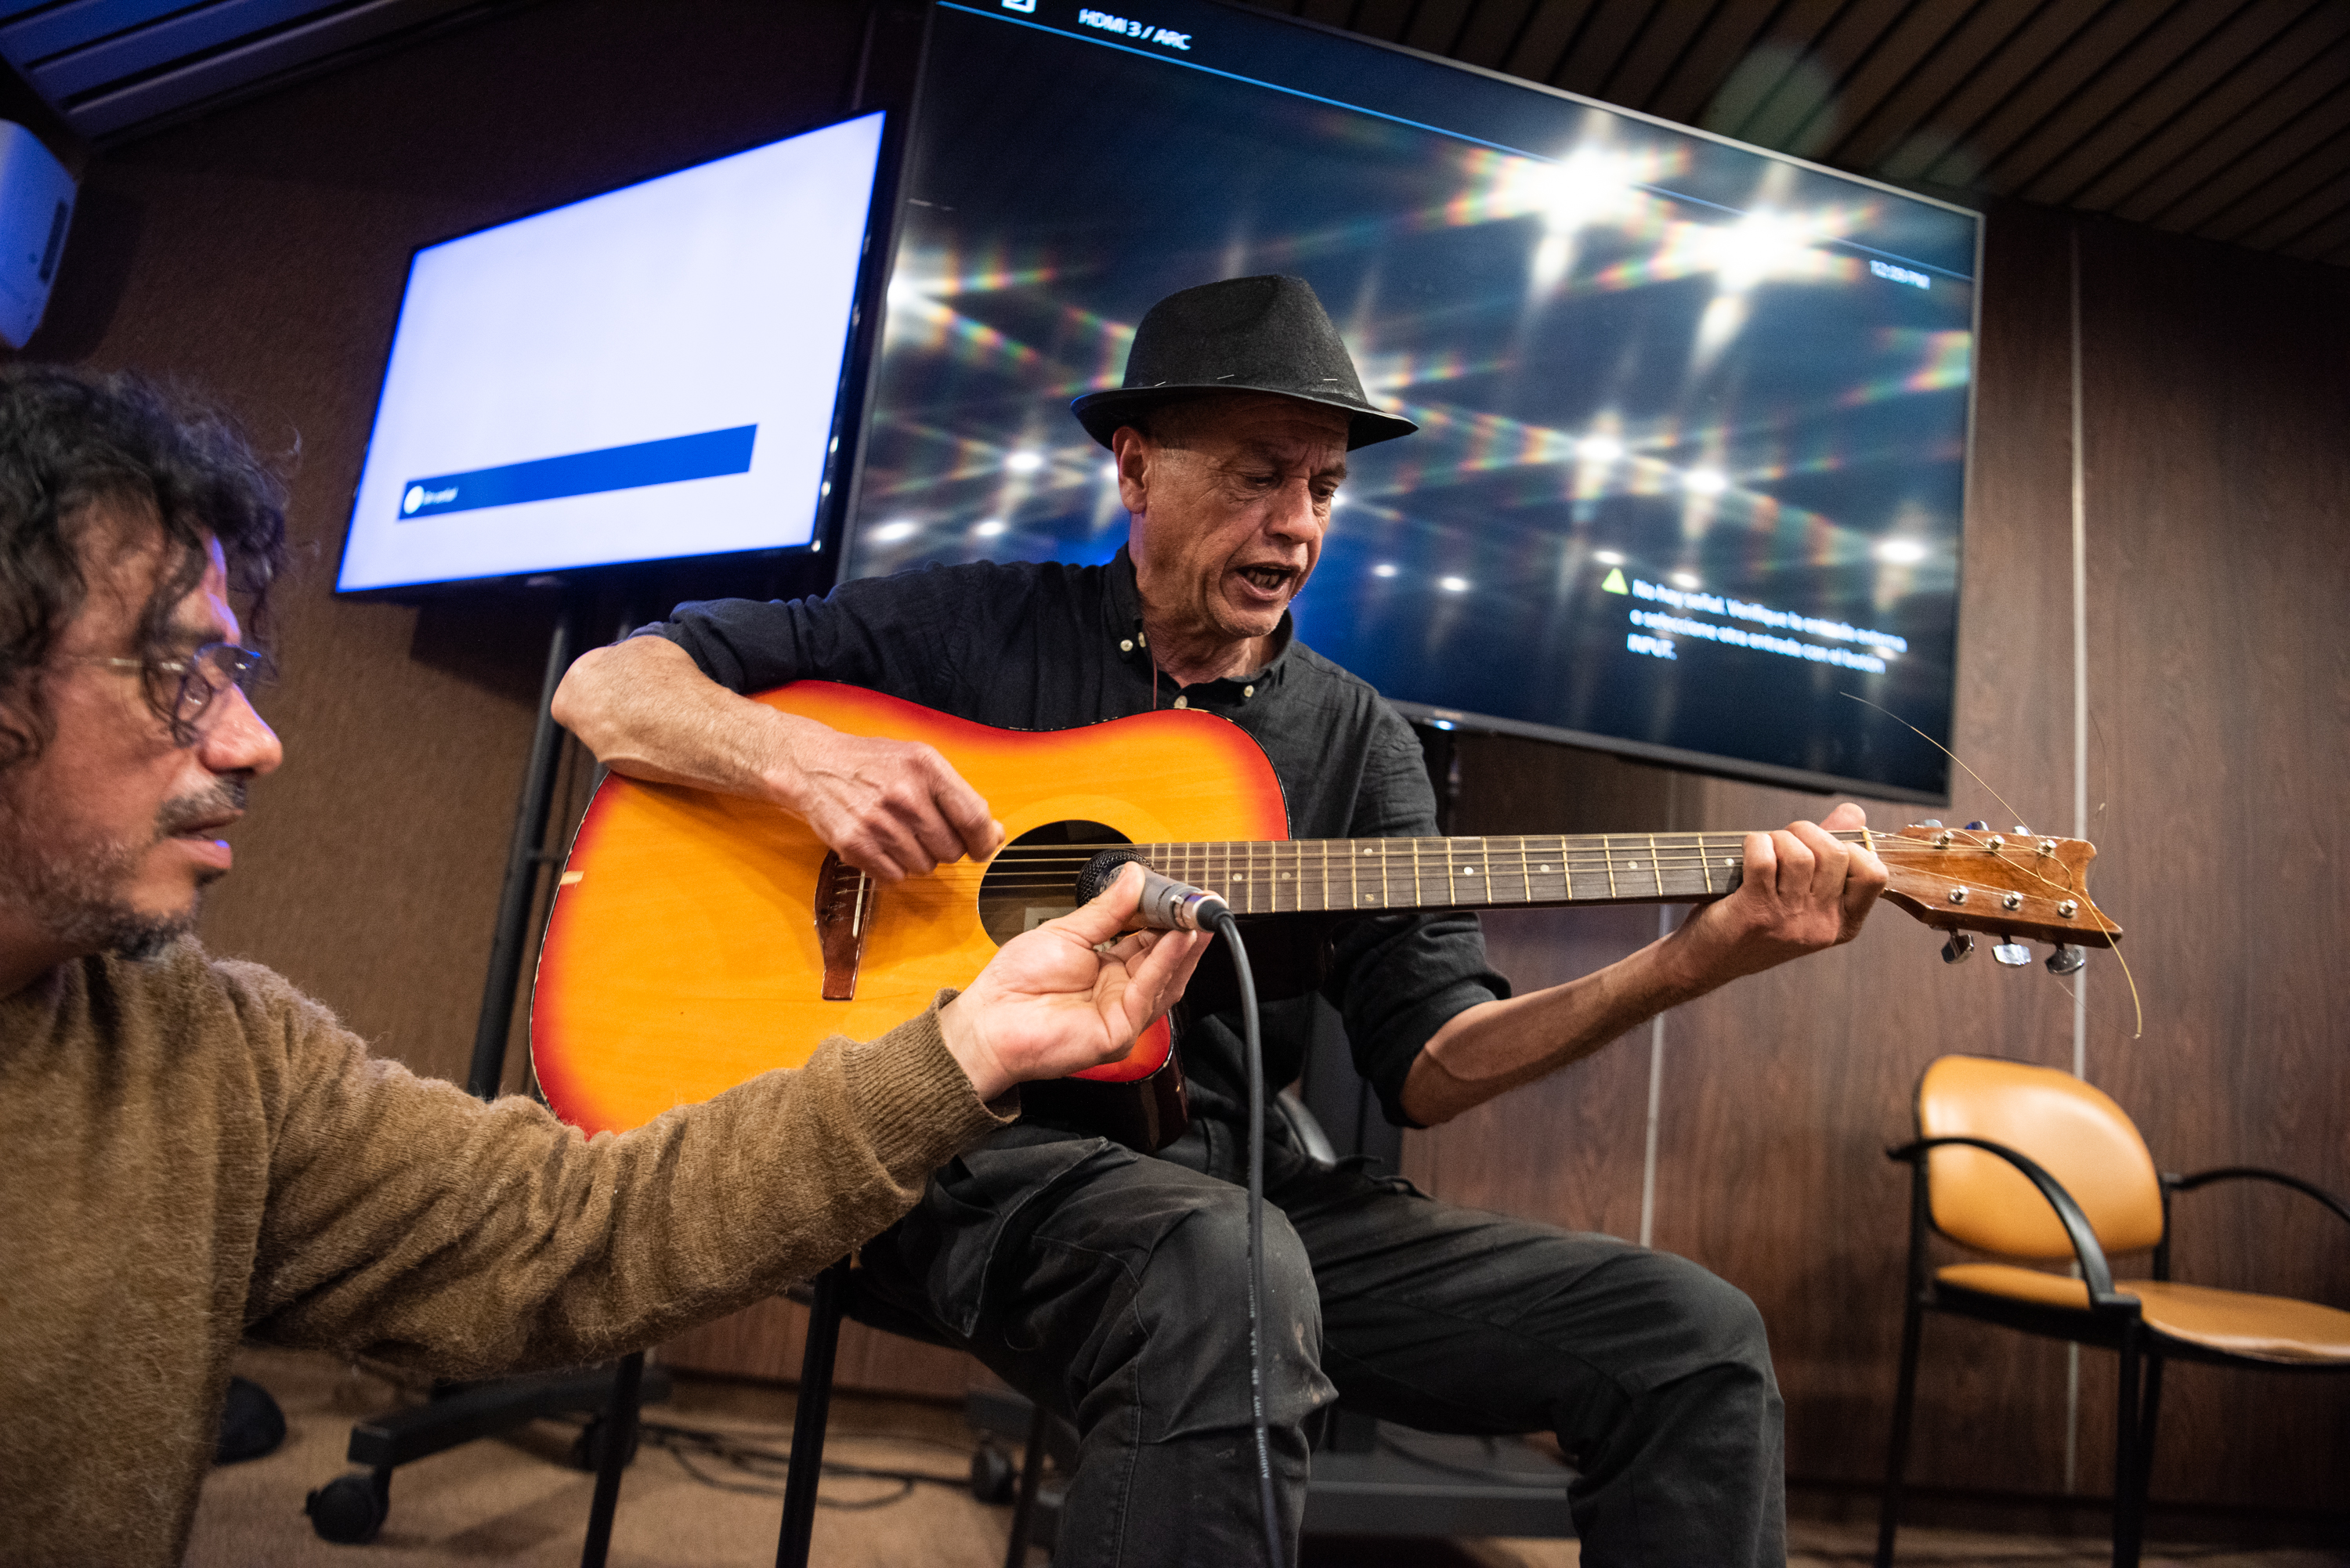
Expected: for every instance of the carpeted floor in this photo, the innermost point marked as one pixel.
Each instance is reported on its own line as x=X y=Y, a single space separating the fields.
x=511 y=1501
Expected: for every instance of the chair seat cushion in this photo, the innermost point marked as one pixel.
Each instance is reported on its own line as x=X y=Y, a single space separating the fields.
x=2237 y=1322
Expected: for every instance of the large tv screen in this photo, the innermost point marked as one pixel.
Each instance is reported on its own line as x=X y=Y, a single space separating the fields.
x=646 y=374
x=1694 y=415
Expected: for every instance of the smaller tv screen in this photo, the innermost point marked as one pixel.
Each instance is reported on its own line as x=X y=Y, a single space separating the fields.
x=645 y=375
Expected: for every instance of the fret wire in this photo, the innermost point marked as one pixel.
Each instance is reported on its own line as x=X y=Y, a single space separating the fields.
x=1655 y=865
x=1525 y=869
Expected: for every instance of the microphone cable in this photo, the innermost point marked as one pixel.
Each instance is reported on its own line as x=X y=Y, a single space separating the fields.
x=1166 y=904
x=1229 y=929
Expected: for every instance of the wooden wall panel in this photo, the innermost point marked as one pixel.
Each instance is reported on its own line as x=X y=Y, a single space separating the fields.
x=2219 y=479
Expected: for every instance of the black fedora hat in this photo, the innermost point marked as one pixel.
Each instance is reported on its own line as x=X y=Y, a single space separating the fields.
x=1244 y=334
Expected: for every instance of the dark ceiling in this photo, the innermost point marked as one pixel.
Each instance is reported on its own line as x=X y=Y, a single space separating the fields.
x=2224 y=118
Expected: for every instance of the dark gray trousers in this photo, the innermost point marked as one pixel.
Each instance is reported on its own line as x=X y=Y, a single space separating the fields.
x=1112 y=1289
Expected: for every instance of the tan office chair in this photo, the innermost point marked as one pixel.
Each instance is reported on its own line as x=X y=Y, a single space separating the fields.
x=2031 y=1163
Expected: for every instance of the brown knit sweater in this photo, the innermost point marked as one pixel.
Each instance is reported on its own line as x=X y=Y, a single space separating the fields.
x=192 y=1151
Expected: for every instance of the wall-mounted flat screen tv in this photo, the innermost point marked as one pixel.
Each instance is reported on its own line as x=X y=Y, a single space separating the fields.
x=1694 y=415
x=648 y=374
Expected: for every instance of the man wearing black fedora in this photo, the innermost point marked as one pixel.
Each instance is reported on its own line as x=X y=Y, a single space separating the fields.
x=1106 y=1283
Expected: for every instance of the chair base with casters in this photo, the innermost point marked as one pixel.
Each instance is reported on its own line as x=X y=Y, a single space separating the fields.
x=2124 y=1204
x=351 y=1508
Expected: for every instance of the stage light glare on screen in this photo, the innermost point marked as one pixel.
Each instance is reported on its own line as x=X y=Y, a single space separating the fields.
x=1024 y=462
x=1704 y=482
x=1608 y=557
x=992 y=528
x=1900 y=552
x=1599 y=449
x=1453 y=585
x=1383 y=569
x=1685 y=579
x=893 y=532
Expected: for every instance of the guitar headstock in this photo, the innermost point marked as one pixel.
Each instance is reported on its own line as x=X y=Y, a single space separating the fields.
x=2016 y=886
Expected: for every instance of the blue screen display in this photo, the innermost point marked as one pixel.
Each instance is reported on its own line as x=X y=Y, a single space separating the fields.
x=1694 y=416
x=645 y=375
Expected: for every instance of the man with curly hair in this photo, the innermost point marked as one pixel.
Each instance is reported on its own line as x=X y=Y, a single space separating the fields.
x=198 y=1153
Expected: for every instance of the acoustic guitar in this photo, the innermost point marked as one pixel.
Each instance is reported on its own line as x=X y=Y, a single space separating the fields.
x=698 y=939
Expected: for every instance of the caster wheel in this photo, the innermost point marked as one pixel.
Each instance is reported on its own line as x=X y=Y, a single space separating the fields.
x=587 y=1447
x=994 y=1476
x=350 y=1508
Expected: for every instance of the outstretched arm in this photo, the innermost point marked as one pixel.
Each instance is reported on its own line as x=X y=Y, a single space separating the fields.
x=411 y=1221
x=893 y=809
x=1801 y=891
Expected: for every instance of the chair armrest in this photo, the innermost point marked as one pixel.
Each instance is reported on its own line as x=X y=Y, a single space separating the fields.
x=2257 y=1173
x=2094 y=1270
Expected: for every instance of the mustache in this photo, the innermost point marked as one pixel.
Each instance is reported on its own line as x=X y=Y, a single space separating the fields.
x=179 y=815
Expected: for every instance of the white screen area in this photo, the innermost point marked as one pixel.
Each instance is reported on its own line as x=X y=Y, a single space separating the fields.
x=644 y=375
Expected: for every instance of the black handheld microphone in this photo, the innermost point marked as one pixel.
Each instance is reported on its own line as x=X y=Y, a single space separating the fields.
x=1167 y=905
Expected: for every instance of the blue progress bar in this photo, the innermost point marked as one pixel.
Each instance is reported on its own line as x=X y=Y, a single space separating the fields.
x=704 y=456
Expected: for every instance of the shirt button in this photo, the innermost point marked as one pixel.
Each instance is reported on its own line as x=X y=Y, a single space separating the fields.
x=1248 y=691
x=1182 y=701
x=1126 y=644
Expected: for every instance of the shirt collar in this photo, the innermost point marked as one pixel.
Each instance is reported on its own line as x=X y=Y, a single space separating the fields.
x=1125 y=630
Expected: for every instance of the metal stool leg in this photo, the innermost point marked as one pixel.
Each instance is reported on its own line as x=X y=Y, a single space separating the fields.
x=620 y=1437
x=1023 y=1505
x=808 y=1424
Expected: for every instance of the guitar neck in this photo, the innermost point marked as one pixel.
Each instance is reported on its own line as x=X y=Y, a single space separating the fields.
x=1539 y=870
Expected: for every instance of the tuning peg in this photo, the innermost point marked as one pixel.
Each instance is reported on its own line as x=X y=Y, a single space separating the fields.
x=2067 y=958
x=1977 y=826
x=1960 y=948
x=2015 y=955
x=2021 y=831
x=1929 y=822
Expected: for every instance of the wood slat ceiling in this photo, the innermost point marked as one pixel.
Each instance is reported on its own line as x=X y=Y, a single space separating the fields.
x=112 y=68
x=2225 y=118
x=2229 y=120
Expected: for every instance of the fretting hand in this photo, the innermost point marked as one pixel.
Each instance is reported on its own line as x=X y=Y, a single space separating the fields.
x=1801 y=889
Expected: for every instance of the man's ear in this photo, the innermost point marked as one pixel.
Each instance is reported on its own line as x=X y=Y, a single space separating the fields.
x=1135 y=456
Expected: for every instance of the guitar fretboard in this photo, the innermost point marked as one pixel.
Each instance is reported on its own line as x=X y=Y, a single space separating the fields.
x=1301 y=876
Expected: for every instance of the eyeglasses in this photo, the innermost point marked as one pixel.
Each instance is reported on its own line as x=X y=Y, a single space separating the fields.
x=203 y=675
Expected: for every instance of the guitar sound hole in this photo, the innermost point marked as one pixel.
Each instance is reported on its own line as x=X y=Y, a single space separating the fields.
x=1033 y=878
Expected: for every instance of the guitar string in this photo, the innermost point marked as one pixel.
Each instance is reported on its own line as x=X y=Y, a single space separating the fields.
x=2139 y=1030
x=1686 y=854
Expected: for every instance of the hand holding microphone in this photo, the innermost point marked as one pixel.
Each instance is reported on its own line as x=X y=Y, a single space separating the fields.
x=1167 y=905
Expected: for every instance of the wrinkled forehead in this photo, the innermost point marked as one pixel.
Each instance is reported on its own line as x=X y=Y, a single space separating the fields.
x=1267 y=424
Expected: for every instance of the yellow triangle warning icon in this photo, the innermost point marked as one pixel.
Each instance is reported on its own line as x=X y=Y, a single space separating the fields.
x=1614 y=582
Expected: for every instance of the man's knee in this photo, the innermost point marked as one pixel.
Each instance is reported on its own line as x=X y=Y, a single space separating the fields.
x=1202 y=1266
x=1702 y=1320
x=1192 y=1301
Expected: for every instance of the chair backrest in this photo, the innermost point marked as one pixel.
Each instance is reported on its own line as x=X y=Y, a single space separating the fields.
x=2074 y=1132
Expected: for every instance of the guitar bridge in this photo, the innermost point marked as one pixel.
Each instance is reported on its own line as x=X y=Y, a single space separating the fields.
x=844 y=904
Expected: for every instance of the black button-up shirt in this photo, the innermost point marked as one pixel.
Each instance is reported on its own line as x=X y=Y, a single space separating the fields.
x=1045 y=646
